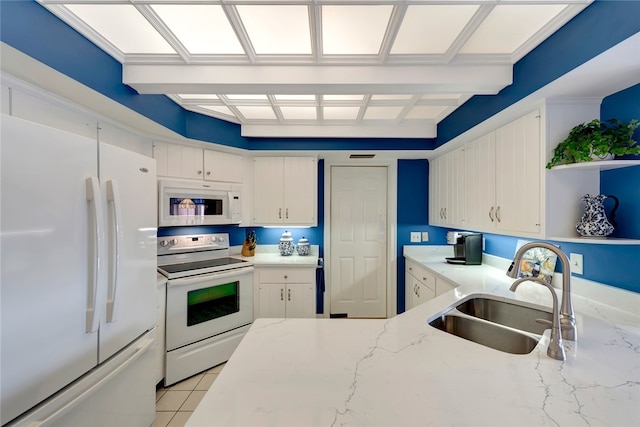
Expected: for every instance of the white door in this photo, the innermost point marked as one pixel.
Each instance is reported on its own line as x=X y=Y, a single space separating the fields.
x=128 y=181
x=46 y=257
x=358 y=241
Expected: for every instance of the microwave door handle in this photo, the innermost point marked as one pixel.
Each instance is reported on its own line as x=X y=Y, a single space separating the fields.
x=184 y=281
x=96 y=241
x=113 y=199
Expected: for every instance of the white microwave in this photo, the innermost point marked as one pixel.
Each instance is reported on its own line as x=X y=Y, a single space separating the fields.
x=198 y=203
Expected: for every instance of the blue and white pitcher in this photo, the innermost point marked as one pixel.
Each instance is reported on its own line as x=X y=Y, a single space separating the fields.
x=594 y=221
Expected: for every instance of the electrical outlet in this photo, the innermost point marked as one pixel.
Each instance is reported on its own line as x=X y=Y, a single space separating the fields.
x=415 y=236
x=577 y=265
x=425 y=236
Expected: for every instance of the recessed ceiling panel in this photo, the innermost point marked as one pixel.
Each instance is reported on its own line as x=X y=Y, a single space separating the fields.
x=354 y=29
x=246 y=97
x=340 y=113
x=123 y=26
x=202 y=29
x=256 y=112
x=425 y=112
x=299 y=113
x=189 y=96
x=509 y=26
x=382 y=113
x=391 y=97
x=217 y=109
x=431 y=29
x=277 y=29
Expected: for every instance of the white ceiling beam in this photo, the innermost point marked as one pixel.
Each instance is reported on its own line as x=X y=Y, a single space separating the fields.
x=421 y=129
x=291 y=79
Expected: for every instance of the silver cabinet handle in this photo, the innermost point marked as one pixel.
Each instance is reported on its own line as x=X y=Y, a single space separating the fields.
x=281 y=294
x=288 y=294
x=445 y=213
x=279 y=213
x=491 y=214
x=498 y=213
x=286 y=213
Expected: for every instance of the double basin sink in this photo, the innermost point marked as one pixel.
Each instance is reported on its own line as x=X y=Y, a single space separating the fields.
x=502 y=325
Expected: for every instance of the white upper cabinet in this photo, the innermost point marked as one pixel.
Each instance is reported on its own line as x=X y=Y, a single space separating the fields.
x=493 y=183
x=285 y=191
x=182 y=161
x=447 y=189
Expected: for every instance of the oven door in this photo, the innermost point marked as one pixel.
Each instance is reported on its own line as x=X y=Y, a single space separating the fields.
x=202 y=306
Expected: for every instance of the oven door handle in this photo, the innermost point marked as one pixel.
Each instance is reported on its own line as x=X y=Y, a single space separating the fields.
x=184 y=281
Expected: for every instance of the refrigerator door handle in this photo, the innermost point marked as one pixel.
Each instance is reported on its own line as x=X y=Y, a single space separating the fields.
x=96 y=242
x=113 y=198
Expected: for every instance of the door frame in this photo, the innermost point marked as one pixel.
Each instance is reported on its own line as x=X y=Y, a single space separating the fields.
x=392 y=203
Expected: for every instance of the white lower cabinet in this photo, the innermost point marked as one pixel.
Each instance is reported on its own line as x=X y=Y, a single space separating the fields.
x=285 y=292
x=420 y=285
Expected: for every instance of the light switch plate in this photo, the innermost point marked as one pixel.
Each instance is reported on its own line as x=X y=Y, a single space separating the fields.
x=577 y=265
x=415 y=236
x=425 y=236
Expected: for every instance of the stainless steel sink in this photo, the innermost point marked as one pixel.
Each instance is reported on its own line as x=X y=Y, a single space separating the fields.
x=486 y=333
x=507 y=314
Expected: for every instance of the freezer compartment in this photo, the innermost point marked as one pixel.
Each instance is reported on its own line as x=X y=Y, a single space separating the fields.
x=119 y=392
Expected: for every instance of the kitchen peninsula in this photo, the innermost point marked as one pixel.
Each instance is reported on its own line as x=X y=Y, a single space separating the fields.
x=402 y=372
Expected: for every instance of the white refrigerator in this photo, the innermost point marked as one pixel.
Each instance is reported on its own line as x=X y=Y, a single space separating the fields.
x=78 y=280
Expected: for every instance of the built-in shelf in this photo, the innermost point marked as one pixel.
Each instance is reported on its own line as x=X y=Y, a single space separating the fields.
x=601 y=165
x=597 y=241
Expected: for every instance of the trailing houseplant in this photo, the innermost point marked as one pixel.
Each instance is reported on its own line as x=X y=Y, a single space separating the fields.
x=596 y=139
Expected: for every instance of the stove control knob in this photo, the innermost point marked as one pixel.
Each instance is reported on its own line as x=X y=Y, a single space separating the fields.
x=164 y=243
x=174 y=241
x=220 y=238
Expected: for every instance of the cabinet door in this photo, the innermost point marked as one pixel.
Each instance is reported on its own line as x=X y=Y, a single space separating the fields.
x=455 y=203
x=191 y=162
x=435 y=184
x=224 y=167
x=300 y=190
x=518 y=170
x=480 y=183
x=300 y=300
x=423 y=293
x=272 y=300
x=268 y=191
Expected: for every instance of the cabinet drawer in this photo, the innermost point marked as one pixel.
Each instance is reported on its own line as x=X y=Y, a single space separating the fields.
x=293 y=275
x=422 y=274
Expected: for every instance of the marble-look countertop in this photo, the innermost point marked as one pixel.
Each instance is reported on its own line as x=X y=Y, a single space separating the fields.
x=402 y=372
x=269 y=256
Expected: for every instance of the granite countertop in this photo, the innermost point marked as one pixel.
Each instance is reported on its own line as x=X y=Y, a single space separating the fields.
x=269 y=256
x=403 y=372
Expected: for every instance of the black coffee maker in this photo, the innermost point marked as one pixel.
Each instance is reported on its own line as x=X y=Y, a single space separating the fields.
x=467 y=248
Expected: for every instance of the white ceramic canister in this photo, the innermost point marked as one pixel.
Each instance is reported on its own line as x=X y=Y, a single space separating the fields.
x=303 y=246
x=286 y=244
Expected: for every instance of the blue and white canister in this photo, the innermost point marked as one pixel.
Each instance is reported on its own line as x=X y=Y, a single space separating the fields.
x=303 y=246
x=286 y=244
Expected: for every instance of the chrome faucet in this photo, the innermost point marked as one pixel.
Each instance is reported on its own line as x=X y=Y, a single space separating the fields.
x=555 y=349
x=567 y=317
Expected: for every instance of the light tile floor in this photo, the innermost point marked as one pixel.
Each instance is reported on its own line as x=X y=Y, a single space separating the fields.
x=175 y=403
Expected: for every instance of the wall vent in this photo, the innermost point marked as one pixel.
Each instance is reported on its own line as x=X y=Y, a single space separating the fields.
x=361 y=156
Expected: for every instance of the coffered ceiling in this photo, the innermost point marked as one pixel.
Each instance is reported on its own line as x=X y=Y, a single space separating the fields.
x=295 y=68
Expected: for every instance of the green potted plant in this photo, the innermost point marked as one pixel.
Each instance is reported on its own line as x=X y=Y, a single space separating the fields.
x=596 y=139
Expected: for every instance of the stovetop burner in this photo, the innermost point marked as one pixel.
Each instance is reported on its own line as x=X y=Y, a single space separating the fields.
x=198 y=267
